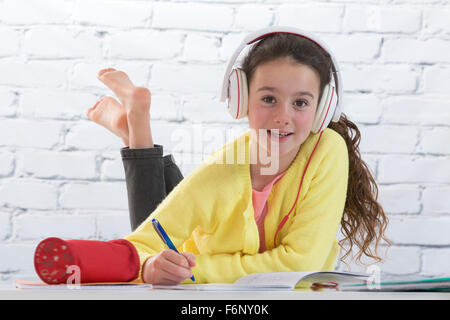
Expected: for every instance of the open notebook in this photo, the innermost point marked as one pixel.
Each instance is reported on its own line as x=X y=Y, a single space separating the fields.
x=255 y=281
x=278 y=281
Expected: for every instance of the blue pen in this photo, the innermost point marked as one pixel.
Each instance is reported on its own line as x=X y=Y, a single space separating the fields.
x=165 y=238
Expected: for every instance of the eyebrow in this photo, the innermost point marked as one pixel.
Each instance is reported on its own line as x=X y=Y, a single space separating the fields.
x=302 y=93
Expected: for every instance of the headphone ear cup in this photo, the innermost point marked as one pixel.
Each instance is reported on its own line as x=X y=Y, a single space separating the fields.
x=238 y=94
x=325 y=109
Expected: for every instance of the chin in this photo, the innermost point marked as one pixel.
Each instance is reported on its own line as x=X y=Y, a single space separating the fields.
x=283 y=149
x=288 y=150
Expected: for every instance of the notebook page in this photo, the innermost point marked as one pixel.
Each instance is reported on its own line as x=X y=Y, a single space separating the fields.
x=291 y=279
x=272 y=279
x=202 y=287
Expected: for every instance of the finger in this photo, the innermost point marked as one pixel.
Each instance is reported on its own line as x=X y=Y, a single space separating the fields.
x=174 y=269
x=170 y=282
x=164 y=278
x=168 y=278
x=190 y=257
x=176 y=258
x=167 y=282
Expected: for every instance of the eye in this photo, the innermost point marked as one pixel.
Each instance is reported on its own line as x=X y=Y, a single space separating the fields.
x=298 y=103
x=268 y=99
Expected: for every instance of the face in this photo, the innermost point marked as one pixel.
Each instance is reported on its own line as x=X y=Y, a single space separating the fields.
x=283 y=95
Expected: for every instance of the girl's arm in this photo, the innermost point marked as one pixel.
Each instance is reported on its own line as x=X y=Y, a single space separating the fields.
x=179 y=213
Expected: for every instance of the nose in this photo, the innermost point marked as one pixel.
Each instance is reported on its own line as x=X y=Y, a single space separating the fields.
x=282 y=115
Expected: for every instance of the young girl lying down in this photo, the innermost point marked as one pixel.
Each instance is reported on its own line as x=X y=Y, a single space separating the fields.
x=232 y=218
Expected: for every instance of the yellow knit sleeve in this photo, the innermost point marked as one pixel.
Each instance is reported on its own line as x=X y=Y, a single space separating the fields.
x=179 y=214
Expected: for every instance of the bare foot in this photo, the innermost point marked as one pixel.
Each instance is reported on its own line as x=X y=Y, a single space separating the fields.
x=136 y=102
x=110 y=114
x=135 y=99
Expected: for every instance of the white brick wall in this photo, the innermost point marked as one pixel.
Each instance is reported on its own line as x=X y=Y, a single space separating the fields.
x=62 y=175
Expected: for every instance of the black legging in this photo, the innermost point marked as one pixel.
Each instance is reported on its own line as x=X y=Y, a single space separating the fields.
x=149 y=177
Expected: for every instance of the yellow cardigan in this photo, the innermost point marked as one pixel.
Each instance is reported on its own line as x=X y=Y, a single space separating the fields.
x=210 y=214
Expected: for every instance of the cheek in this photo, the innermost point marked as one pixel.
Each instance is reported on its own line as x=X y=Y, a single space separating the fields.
x=258 y=119
x=305 y=121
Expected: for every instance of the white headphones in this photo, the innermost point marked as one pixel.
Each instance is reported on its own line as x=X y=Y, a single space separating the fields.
x=234 y=87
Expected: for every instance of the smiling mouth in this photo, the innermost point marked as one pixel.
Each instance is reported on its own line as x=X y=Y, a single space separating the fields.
x=279 y=135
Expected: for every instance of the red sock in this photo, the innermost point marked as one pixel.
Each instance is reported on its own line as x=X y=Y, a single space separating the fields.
x=98 y=261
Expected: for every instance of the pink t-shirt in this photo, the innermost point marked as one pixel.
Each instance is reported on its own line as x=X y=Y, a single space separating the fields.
x=260 y=207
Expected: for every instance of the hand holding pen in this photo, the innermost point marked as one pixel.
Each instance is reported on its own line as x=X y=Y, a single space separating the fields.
x=168 y=267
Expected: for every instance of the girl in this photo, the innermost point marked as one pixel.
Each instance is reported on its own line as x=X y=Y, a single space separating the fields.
x=230 y=220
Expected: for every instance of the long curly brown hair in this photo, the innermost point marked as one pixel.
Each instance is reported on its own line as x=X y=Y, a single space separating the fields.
x=364 y=220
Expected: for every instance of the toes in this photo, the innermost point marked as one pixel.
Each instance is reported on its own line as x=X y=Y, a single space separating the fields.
x=105 y=110
x=131 y=97
x=101 y=72
x=111 y=74
x=119 y=83
x=91 y=109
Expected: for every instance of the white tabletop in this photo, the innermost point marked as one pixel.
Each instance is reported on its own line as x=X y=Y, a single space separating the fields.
x=11 y=293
